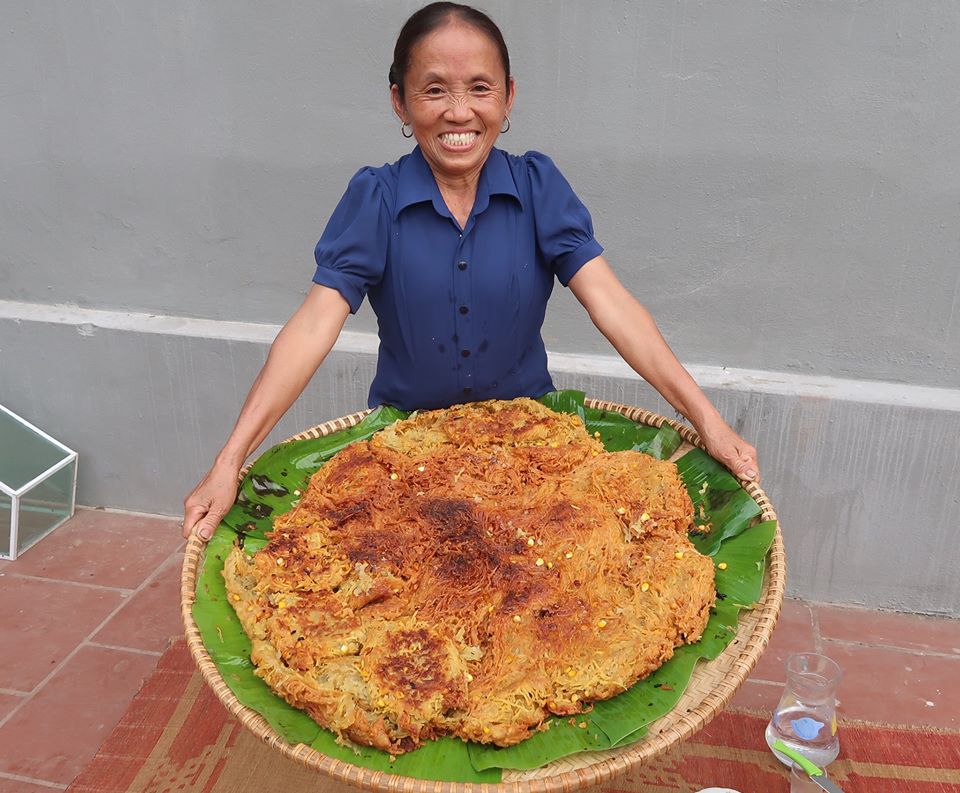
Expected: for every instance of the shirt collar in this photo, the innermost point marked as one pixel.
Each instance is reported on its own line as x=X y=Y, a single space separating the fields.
x=417 y=185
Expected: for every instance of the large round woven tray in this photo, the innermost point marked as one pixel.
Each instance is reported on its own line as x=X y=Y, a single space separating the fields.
x=711 y=687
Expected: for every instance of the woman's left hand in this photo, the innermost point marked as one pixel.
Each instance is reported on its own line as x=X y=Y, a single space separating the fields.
x=727 y=447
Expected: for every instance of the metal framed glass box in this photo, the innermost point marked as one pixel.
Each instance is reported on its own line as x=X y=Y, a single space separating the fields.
x=38 y=484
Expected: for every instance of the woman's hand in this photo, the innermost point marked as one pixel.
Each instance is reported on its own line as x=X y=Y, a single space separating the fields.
x=210 y=500
x=727 y=447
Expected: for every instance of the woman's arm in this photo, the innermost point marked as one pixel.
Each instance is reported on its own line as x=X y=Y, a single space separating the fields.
x=295 y=355
x=631 y=329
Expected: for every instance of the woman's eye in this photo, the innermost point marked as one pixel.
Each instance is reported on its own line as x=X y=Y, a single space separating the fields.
x=435 y=90
x=481 y=89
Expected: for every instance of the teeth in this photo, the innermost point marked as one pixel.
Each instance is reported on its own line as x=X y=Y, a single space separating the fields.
x=458 y=138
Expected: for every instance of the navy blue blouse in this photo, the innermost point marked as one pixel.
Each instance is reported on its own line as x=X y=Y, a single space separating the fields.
x=459 y=310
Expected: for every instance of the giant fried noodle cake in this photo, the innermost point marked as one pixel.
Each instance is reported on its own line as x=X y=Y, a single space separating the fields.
x=471 y=571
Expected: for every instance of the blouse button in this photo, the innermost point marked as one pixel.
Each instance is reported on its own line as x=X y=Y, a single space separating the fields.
x=462 y=265
x=465 y=353
x=464 y=309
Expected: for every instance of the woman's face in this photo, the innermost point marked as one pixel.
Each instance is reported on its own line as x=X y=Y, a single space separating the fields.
x=456 y=99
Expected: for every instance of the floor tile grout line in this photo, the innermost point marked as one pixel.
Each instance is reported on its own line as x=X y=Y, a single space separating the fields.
x=46 y=580
x=765 y=682
x=118 y=511
x=32 y=781
x=815 y=625
x=892 y=648
x=136 y=650
x=84 y=642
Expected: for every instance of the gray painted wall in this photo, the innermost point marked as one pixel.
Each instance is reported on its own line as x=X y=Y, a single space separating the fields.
x=865 y=489
x=778 y=181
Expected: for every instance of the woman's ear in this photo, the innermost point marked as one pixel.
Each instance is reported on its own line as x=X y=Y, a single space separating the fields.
x=397 y=103
x=511 y=94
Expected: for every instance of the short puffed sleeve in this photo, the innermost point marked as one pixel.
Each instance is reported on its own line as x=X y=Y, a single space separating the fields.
x=352 y=252
x=563 y=223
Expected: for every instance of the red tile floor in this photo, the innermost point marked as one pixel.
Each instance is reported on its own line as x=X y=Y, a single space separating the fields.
x=85 y=615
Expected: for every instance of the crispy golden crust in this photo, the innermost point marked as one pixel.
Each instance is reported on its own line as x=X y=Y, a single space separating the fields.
x=471 y=571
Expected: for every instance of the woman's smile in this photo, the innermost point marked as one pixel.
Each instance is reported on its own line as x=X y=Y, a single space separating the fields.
x=459 y=141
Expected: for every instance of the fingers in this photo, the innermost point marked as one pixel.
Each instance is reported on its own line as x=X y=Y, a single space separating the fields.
x=208 y=524
x=745 y=465
x=191 y=514
x=201 y=518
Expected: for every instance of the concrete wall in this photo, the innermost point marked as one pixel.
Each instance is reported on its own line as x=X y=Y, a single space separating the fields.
x=778 y=181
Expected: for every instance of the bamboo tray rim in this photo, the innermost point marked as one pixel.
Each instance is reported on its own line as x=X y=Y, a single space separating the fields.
x=614 y=761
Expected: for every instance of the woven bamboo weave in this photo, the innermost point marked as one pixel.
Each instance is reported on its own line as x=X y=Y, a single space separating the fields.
x=711 y=687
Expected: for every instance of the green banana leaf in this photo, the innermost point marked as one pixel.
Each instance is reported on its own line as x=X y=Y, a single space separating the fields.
x=718 y=500
x=270 y=488
x=617 y=432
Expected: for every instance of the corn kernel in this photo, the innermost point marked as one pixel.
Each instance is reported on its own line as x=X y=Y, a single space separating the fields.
x=421 y=468
x=645 y=516
x=568 y=555
x=419 y=492
x=486 y=730
x=343 y=648
x=722 y=565
x=596 y=454
x=296 y=492
x=575 y=698
x=602 y=624
x=549 y=565
x=596 y=434
x=571 y=673
x=394 y=476
x=582 y=725
x=531 y=541
x=469 y=678
x=280 y=561
x=235 y=598
x=678 y=555
x=621 y=511
x=282 y=604
x=644 y=586
x=554 y=445
x=516 y=618
x=490 y=608
x=539 y=562
x=380 y=703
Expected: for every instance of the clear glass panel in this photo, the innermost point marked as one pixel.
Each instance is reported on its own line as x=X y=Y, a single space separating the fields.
x=24 y=454
x=6 y=511
x=45 y=506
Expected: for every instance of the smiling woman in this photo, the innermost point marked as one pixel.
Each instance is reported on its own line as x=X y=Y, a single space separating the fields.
x=453 y=87
x=457 y=246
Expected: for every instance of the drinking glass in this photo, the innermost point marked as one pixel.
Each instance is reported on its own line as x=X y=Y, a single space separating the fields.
x=806 y=718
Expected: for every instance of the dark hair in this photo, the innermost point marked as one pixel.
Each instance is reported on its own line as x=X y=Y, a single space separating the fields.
x=433 y=16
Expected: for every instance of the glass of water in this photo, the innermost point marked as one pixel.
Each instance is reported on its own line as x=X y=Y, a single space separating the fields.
x=806 y=718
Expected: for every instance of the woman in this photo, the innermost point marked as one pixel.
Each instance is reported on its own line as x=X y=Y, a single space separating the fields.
x=456 y=246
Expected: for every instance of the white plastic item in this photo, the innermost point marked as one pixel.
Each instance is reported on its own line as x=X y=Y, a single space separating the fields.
x=718 y=790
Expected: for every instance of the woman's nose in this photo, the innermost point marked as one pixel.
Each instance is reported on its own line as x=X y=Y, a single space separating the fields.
x=459 y=108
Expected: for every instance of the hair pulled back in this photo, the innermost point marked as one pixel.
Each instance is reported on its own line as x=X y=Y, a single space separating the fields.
x=430 y=18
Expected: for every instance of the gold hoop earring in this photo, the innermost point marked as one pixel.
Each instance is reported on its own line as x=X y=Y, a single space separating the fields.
x=407 y=133
x=505 y=129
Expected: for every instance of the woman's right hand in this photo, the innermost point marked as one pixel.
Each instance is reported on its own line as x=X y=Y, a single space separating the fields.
x=210 y=500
